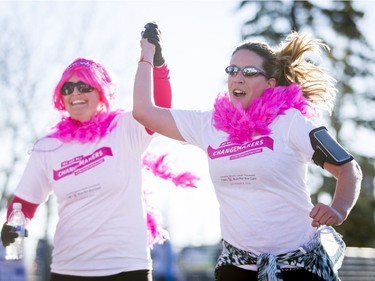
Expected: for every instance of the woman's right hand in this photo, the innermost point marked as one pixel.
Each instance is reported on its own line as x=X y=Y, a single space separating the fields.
x=8 y=235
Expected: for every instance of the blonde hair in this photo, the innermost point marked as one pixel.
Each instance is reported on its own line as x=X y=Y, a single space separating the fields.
x=290 y=64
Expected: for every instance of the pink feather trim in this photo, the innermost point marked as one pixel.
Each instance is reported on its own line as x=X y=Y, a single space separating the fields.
x=243 y=125
x=69 y=129
x=156 y=232
x=159 y=167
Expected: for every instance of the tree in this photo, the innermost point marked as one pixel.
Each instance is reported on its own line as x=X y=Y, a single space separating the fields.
x=351 y=61
x=18 y=92
x=26 y=63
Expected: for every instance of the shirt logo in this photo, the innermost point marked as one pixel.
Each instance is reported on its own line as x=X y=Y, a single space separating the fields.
x=82 y=163
x=235 y=151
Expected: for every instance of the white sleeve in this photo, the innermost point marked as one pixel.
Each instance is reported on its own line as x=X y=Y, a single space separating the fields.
x=34 y=185
x=299 y=138
x=134 y=132
x=192 y=125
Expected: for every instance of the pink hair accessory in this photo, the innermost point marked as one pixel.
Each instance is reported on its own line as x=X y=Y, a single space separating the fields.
x=87 y=63
x=83 y=62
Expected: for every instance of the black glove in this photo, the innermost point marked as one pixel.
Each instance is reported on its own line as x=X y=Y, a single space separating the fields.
x=153 y=35
x=8 y=234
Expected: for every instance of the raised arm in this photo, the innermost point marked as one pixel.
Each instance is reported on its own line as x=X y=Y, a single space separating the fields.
x=155 y=118
x=162 y=88
x=162 y=85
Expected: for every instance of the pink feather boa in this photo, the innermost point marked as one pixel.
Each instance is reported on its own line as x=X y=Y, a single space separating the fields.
x=160 y=168
x=243 y=125
x=69 y=129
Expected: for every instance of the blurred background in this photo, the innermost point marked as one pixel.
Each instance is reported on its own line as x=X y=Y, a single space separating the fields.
x=39 y=39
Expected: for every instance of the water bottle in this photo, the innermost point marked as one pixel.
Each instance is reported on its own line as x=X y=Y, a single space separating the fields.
x=17 y=219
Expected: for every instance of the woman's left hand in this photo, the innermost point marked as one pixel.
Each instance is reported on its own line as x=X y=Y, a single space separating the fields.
x=325 y=215
x=153 y=35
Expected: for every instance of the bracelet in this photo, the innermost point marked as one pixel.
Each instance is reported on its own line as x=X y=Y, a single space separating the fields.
x=146 y=61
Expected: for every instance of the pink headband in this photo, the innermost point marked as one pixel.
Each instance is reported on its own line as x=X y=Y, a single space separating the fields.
x=86 y=63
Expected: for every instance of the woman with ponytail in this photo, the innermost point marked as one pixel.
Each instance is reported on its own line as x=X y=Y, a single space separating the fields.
x=259 y=139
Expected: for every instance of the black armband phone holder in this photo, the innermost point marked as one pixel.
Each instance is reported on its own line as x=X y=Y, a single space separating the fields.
x=327 y=149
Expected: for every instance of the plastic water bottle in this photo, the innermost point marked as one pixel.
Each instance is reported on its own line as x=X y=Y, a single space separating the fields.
x=17 y=219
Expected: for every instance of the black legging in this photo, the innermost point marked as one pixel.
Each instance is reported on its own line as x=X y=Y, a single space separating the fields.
x=137 y=275
x=234 y=273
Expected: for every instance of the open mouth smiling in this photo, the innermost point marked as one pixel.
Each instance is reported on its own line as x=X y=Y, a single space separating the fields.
x=77 y=102
x=238 y=93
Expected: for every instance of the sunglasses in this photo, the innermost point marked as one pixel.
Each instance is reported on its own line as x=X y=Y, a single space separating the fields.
x=247 y=71
x=68 y=88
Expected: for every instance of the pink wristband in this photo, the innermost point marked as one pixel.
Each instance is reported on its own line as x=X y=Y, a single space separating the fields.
x=146 y=61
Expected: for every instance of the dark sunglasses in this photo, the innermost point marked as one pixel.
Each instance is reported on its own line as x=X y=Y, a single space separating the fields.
x=68 y=88
x=247 y=71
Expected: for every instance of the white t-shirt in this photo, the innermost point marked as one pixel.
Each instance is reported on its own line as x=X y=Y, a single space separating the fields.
x=101 y=228
x=260 y=185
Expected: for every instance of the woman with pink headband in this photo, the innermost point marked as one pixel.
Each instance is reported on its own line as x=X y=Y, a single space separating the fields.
x=92 y=162
x=259 y=139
